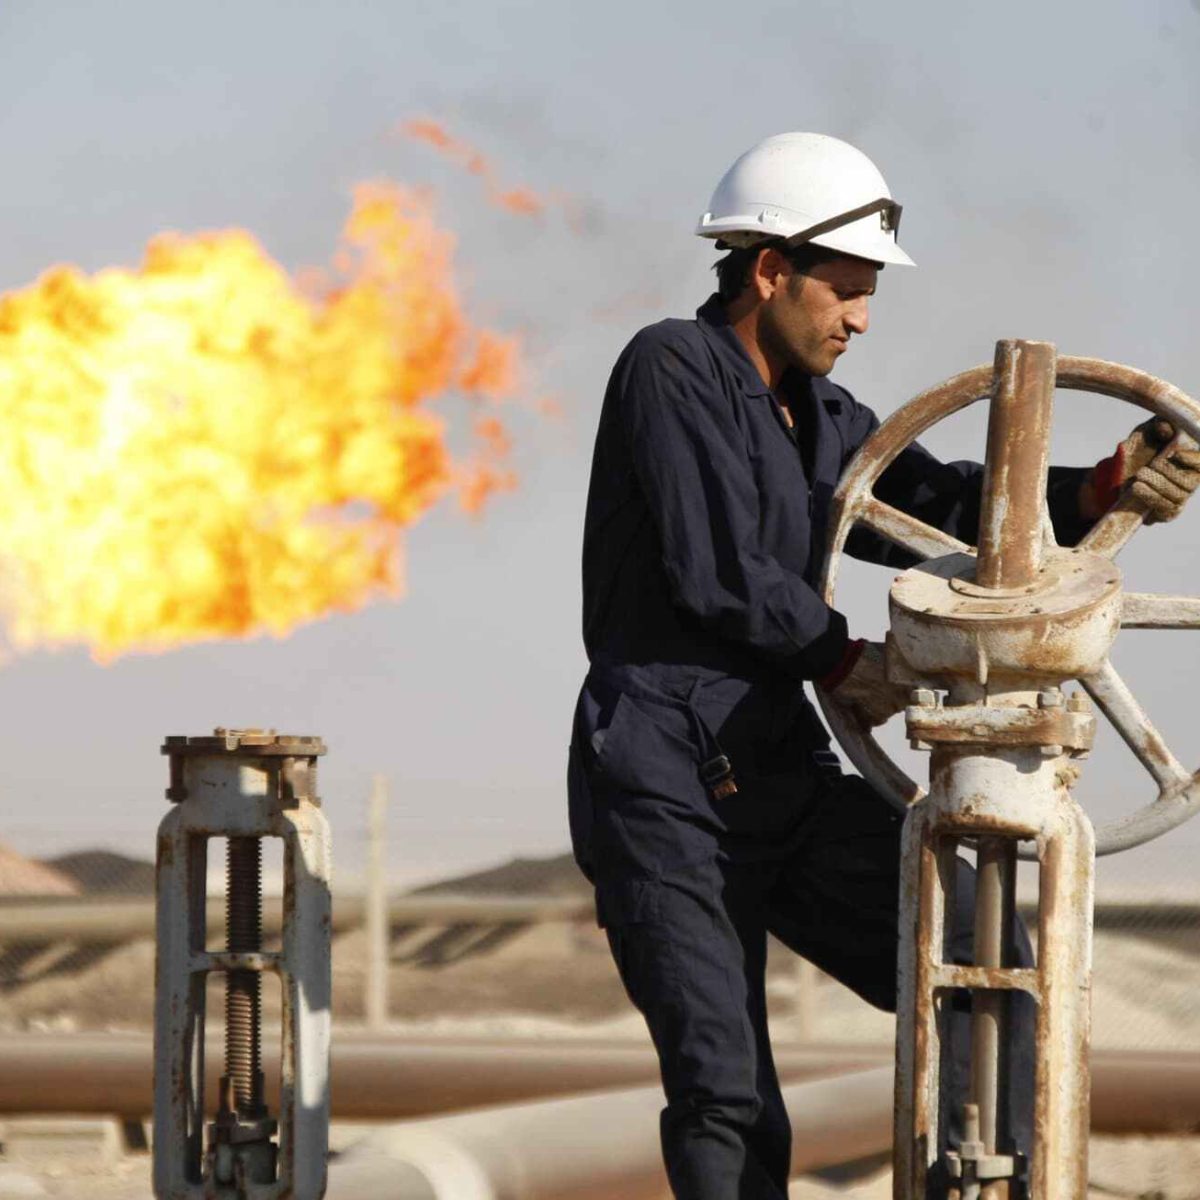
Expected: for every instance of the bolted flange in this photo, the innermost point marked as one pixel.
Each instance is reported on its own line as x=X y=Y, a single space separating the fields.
x=1062 y=629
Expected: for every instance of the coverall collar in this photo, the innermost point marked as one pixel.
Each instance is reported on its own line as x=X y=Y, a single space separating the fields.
x=714 y=323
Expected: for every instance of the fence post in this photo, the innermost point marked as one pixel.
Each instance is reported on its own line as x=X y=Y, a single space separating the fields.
x=377 y=932
x=805 y=1019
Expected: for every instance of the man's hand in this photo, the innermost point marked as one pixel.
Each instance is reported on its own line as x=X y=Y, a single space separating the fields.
x=1164 y=484
x=864 y=686
x=1162 y=478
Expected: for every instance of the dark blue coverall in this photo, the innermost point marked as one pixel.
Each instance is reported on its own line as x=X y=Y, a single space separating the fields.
x=705 y=523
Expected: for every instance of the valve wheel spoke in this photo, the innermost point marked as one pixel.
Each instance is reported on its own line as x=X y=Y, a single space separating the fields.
x=1113 y=531
x=1142 y=610
x=1049 y=539
x=909 y=532
x=854 y=504
x=1126 y=715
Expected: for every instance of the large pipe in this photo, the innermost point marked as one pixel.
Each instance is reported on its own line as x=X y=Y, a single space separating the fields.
x=377 y=1078
x=591 y=1147
x=373 y=1078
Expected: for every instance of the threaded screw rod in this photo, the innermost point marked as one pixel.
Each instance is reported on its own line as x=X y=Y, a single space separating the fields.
x=243 y=1004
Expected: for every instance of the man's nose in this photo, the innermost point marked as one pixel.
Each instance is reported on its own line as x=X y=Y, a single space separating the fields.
x=856 y=317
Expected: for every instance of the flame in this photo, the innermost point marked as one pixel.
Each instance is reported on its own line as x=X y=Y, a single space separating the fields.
x=521 y=201
x=207 y=447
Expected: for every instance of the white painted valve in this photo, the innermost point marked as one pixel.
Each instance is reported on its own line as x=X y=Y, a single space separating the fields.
x=243 y=785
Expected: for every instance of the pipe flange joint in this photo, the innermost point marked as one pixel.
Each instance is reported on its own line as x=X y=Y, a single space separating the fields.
x=291 y=757
x=994 y=725
x=245 y=743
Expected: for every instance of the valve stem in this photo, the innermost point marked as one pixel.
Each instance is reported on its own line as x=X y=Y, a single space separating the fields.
x=243 y=1004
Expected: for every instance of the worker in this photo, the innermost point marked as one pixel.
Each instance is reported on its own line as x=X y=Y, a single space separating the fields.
x=706 y=804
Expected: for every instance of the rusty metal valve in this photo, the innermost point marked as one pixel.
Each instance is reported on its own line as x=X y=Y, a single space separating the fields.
x=244 y=785
x=971 y=1165
x=1061 y=574
x=985 y=637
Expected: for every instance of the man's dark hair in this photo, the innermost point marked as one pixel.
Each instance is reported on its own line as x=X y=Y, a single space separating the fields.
x=733 y=271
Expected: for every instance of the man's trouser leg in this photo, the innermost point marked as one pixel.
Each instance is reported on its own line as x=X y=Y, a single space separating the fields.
x=691 y=951
x=836 y=903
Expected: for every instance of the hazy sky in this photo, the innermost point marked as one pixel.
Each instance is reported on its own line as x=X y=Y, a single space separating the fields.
x=1048 y=160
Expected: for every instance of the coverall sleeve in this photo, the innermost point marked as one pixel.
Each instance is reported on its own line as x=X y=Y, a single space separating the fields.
x=691 y=465
x=947 y=495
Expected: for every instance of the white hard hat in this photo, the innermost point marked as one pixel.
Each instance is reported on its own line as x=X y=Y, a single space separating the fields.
x=806 y=187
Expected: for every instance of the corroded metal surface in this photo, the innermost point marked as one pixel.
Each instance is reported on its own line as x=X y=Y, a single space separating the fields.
x=1061 y=1118
x=1120 y=706
x=1141 y=610
x=1014 y=479
x=907 y=531
x=1178 y=790
x=996 y=798
x=989 y=1022
x=854 y=503
x=944 y=626
x=239 y=785
x=973 y=724
x=1000 y=631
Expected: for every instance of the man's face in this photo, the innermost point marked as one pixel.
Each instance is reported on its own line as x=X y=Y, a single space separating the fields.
x=808 y=320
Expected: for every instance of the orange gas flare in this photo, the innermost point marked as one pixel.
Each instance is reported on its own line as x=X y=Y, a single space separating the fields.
x=207 y=447
x=521 y=201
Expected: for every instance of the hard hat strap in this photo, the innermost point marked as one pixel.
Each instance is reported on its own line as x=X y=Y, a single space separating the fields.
x=889 y=212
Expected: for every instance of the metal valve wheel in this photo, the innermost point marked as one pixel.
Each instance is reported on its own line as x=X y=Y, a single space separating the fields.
x=854 y=503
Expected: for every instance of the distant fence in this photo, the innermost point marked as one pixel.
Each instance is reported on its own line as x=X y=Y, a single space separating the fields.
x=104 y=920
x=1147 y=960
x=108 y=919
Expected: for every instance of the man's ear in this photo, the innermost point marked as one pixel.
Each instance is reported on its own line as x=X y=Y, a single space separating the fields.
x=769 y=273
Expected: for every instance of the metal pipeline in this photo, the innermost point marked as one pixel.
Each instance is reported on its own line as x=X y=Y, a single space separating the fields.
x=590 y=1147
x=373 y=1078
x=378 y=1079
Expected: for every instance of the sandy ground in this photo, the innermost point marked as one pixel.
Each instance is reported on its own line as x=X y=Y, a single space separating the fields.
x=1165 y=1168
x=558 y=980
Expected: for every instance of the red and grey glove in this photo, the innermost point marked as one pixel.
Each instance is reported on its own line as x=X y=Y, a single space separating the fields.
x=1161 y=478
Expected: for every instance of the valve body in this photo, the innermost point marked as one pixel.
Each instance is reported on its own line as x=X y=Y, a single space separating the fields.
x=997 y=635
x=243 y=785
